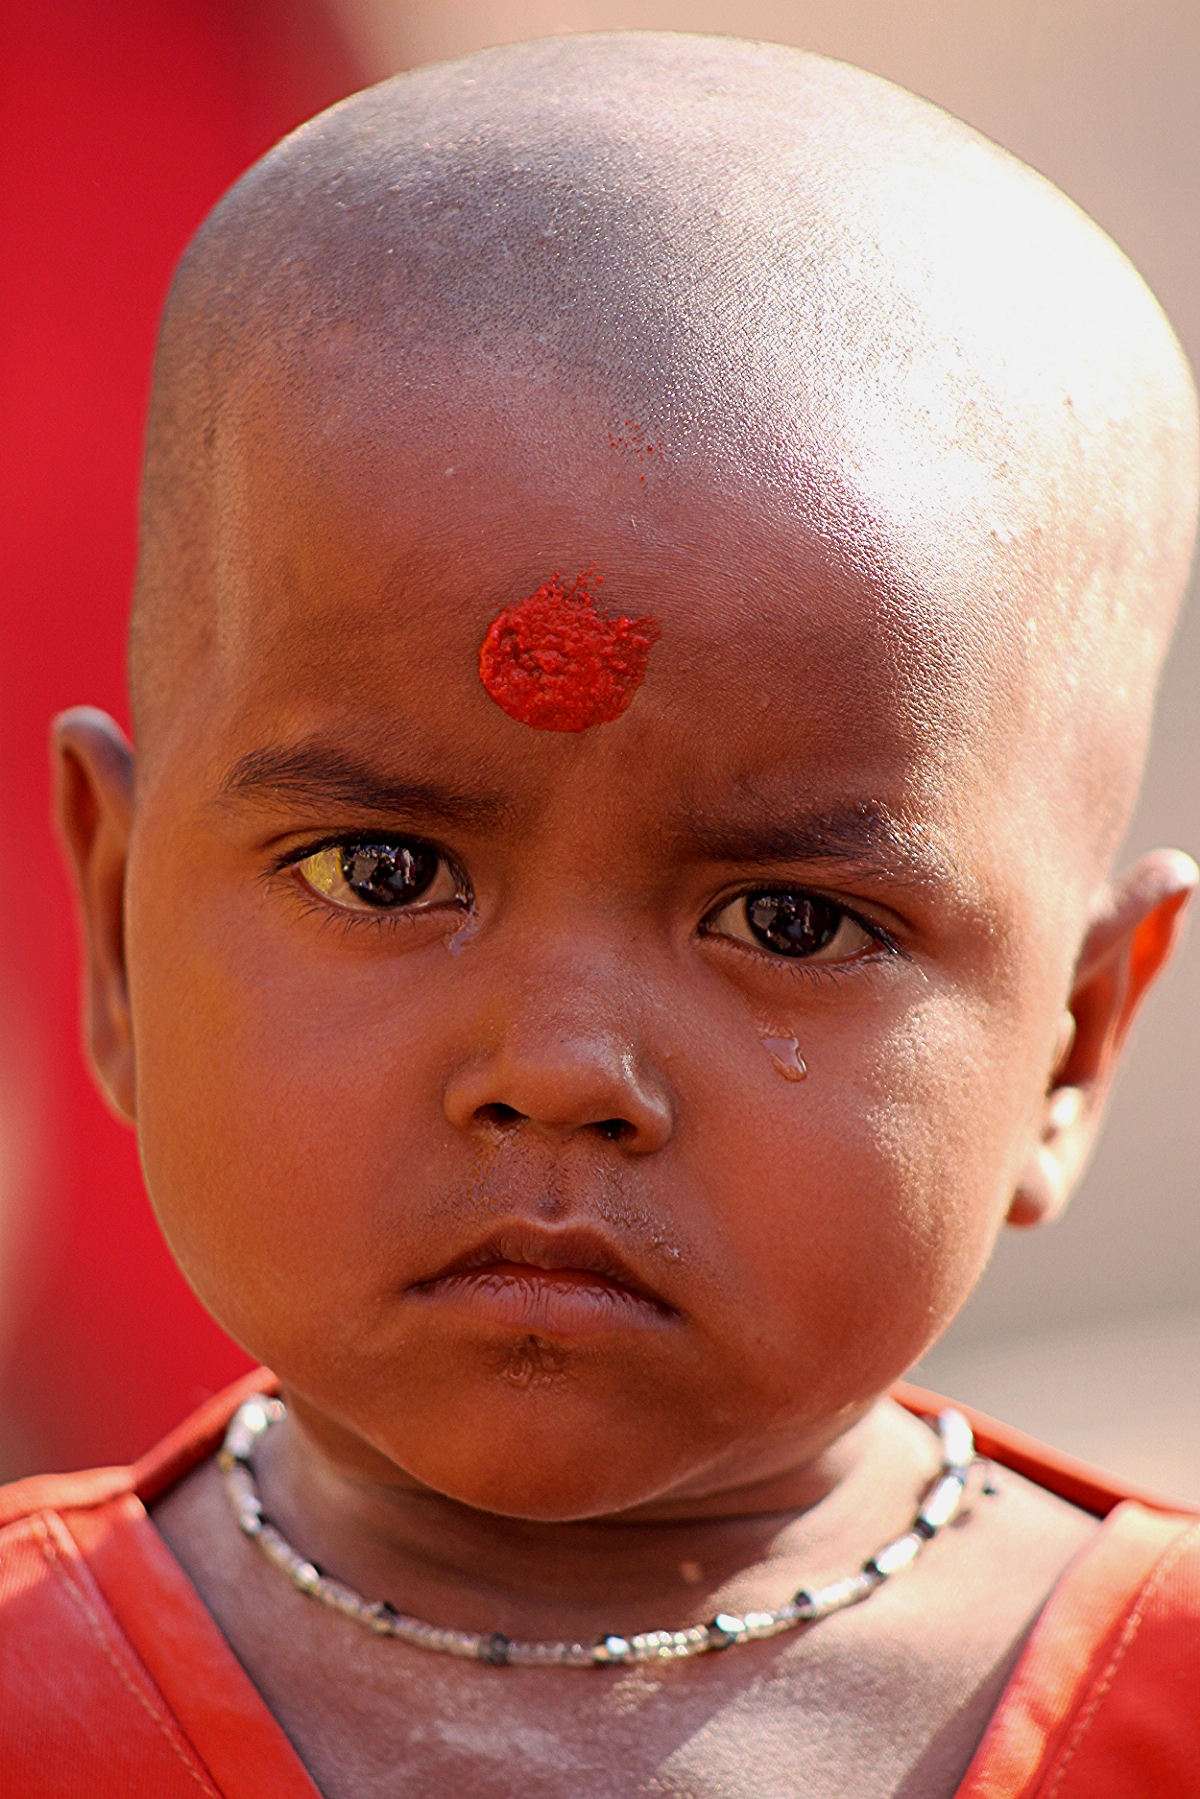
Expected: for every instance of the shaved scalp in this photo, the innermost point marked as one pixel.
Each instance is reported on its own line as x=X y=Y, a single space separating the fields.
x=809 y=282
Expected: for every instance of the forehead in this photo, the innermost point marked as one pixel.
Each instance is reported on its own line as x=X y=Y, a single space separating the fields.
x=369 y=528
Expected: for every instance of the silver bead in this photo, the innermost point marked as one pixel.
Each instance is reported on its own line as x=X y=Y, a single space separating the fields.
x=942 y=1503
x=842 y=1593
x=760 y=1624
x=958 y=1440
x=306 y=1577
x=894 y=1556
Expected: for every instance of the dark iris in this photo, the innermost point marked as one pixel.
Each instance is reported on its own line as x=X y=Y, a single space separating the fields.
x=792 y=924
x=389 y=874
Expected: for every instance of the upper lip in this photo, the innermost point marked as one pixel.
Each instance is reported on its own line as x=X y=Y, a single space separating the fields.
x=577 y=1248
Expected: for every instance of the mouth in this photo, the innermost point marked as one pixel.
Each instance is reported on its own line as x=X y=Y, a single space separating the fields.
x=543 y=1283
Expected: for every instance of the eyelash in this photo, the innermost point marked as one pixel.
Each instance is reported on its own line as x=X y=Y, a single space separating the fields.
x=341 y=918
x=339 y=840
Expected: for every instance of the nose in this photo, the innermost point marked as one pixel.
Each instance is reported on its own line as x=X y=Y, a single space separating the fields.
x=562 y=1086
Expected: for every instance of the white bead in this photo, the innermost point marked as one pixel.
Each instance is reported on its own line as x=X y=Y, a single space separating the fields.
x=958 y=1441
x=943 y=1502
x=900 y=1554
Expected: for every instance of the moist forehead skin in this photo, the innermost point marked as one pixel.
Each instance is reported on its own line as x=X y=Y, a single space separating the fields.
x=823 y=295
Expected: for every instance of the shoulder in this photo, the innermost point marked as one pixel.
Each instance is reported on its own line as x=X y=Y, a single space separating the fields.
x=1138 y=1598
x=42 y=1572
x=78 y=1712
x=1105 y=1698
x=80 y=1570
x=53 y=1525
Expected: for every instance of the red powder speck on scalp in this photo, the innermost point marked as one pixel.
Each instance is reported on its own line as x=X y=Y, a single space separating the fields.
x=553 y=663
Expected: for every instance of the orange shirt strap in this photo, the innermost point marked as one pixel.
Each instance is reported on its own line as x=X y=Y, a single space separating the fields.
x=193 y=1441
x=1091 y=1489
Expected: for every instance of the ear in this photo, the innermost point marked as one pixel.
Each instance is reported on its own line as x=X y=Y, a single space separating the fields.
x=93 y=764
x=1126 y=948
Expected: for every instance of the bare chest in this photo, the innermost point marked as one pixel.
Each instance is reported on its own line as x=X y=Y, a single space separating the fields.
x=864 y=1706
x=778 y=1723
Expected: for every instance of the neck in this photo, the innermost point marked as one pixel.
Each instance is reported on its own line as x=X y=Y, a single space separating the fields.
x=664 y=1566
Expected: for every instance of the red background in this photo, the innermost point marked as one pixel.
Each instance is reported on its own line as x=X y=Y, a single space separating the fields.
x=123 y=120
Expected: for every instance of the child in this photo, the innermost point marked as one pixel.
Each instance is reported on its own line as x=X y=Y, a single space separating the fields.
x=657 y=553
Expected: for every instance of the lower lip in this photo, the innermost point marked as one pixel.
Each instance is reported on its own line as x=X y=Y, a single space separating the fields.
x=544 y=1302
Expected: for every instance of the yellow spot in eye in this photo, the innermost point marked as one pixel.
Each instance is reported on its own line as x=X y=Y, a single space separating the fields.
x=323 y=871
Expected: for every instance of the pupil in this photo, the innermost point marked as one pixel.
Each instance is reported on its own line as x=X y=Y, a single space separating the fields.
x=388 y=874
x=792 y=925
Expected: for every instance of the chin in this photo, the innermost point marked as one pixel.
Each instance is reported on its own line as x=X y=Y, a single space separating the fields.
x=544 y=1455
x=544 y=1494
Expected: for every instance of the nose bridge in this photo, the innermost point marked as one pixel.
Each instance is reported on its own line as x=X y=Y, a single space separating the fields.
x=561 y=1048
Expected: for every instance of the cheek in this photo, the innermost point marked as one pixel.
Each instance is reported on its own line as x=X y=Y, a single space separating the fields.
x=865 y=1199
x=285 y=1107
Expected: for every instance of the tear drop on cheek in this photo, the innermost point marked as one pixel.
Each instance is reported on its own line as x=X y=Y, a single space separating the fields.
x=785 y=1056
x=465 y=935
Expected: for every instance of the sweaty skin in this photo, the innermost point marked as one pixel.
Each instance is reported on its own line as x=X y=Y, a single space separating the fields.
x=445 y=1037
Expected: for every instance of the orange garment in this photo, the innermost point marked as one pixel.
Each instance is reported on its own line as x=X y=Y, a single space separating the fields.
x=116 y=1683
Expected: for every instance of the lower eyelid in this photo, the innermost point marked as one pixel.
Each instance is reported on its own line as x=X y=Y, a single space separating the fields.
x=875 y=950
x=378 y=916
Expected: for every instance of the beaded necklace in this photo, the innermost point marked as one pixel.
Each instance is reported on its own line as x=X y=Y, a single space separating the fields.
x=255 y=1417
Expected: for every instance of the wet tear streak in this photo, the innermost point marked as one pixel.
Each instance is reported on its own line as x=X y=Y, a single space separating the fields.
x=553 y=663
x=785 y=1057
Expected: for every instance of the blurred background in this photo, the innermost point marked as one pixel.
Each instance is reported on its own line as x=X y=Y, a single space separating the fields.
x=123 y=120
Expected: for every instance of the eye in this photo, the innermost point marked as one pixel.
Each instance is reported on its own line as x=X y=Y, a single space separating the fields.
x=795 y=925
x=381 y=877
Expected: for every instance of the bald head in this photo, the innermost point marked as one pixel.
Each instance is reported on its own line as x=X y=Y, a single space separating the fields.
x=814 y=288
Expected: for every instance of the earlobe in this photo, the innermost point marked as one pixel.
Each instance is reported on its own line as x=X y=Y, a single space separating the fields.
x=94 y=799
x=1126 y=948
x=1056 y=1162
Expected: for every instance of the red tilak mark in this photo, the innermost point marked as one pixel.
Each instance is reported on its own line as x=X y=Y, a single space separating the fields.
x=552 y=662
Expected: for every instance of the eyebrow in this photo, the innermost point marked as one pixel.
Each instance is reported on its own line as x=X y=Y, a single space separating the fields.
x=860 y=833
x=322 y=774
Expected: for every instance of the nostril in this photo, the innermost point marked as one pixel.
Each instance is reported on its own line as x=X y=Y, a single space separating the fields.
x=503 y=1117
